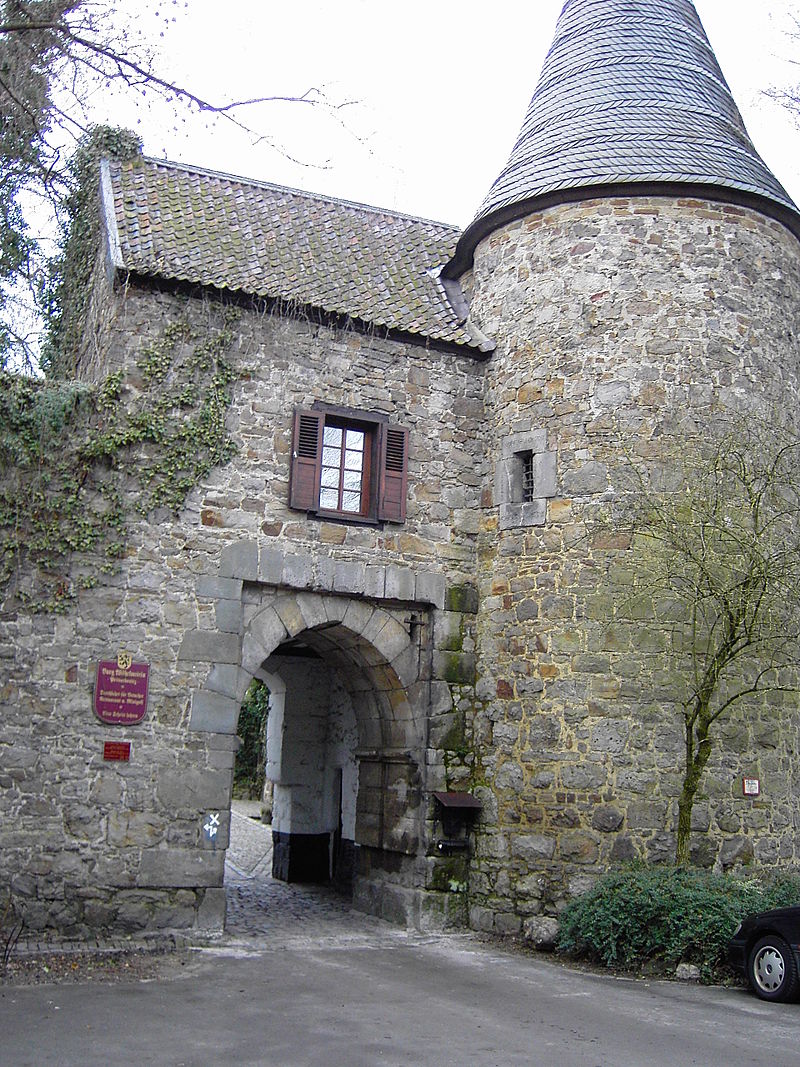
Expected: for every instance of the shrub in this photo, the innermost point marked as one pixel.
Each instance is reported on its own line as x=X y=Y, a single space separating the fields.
x=667 y=915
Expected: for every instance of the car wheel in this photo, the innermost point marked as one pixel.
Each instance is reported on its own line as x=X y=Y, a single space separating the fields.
x=771 y=969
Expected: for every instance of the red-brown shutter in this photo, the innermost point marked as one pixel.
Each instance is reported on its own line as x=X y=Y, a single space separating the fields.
x=393 y=473
x=306 y=460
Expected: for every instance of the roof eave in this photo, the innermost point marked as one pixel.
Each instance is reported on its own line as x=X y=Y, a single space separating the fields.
x=114 y=260
x=480 y=349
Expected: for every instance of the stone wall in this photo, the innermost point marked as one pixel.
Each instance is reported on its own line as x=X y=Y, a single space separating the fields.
x=475 y=640
x=613 y=317
x=90 y=846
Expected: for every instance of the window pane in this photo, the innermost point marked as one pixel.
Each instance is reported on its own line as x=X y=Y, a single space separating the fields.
x=332 y=435
x=351 y=501
x=329 y=499
x=331 y=457
x=352 y=480
x=353 y=461
x=330 y=476
x=355 y=439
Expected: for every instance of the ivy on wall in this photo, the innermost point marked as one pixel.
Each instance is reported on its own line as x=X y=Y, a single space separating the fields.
x=67 y=290
x=78 y=463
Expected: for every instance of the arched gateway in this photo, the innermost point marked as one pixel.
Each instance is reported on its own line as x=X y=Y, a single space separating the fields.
x=351 y=685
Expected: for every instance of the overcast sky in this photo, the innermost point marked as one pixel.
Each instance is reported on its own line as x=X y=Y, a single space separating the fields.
x=440 y=90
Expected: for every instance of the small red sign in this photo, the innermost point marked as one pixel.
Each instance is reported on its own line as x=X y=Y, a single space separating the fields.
x=117 y=750
x=120 y=693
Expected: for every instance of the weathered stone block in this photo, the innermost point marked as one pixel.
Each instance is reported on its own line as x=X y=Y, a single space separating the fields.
x=270 y=566
x=193 y=791
x=545 y=478
x=211 y=912
x=349 y=578
x=463 y=598
x=524 y=441
x=228 y=616
x=228 y=680
x=591 y=477
x=214 y=712
x=532 y=513
x=607 y=818
x=210 y=646
x=213 y=588
x=455 y=667
x=430 y=589
x=240 y=560
x=582 y=776
x=646 y=815
x=263 y=634
x=532 y=848
x=578 y=848
x=611 y=735
x=541 y=931
x=374 y=581
x=131 y=829
x=290 y=615
x=175 y=867
x=400 y=583
x=298 y=571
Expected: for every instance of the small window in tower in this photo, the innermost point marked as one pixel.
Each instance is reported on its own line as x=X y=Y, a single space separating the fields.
x=528 y=478
x=525 y=479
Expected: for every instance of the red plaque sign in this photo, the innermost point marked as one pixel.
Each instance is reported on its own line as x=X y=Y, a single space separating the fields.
x=120 y=694
x=117 y=750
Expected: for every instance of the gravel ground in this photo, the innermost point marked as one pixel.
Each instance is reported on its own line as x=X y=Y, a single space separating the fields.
x=134 y=965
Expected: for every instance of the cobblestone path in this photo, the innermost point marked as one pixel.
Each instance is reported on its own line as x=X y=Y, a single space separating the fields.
x=260 y=907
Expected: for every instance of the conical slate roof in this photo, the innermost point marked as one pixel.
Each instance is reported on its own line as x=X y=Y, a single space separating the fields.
x=630 y=94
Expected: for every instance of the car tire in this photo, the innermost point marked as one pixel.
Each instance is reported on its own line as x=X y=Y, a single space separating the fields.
x=771 y=969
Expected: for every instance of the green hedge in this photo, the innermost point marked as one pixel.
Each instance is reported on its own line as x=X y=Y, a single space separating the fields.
x=667 y=915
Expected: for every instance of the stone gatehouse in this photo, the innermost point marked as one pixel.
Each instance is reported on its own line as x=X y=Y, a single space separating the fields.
x=397 y=548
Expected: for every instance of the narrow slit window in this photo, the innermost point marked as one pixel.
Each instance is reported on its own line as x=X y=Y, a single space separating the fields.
x=528 y=487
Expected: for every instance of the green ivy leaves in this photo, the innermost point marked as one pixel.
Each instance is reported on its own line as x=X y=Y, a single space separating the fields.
x=78 y=463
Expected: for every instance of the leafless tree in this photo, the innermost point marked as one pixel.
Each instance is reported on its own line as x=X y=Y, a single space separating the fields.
x=53 y=54
x=716 y=555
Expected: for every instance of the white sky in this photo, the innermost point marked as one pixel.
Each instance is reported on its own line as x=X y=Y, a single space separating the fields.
x=441 y=89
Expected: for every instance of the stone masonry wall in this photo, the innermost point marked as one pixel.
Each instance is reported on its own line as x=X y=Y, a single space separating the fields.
x=88 y=845
x=611 y=317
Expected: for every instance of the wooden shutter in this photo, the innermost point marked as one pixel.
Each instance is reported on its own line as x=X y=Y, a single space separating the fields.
x=393 y=482
x=306 y=459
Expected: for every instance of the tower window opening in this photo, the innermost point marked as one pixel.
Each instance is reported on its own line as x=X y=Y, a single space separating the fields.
x=528 y=493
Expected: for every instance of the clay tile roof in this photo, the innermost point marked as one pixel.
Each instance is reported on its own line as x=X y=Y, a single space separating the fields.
x=182 y=224
x=630 y=92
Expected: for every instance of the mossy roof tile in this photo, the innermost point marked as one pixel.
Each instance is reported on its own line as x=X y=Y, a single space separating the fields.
x=270 y=241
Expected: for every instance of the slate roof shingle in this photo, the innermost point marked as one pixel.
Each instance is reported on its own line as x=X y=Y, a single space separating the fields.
x=630 y=92
x=191 y=225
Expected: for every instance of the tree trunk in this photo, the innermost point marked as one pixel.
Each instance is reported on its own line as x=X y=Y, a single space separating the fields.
x=695 y=765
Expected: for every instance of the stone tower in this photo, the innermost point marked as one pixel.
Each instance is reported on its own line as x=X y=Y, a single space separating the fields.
x=634 y=258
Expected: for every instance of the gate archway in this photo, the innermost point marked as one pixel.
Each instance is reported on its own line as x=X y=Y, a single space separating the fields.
x=343 y=660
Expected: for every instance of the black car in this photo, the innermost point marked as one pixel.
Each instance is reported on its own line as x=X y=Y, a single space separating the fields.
x=766 y=948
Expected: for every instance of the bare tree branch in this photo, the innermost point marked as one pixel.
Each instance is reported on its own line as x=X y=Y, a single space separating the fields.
x=719 y=557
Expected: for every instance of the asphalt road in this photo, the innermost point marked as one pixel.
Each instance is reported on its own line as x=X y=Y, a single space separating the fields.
x=390 y=997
